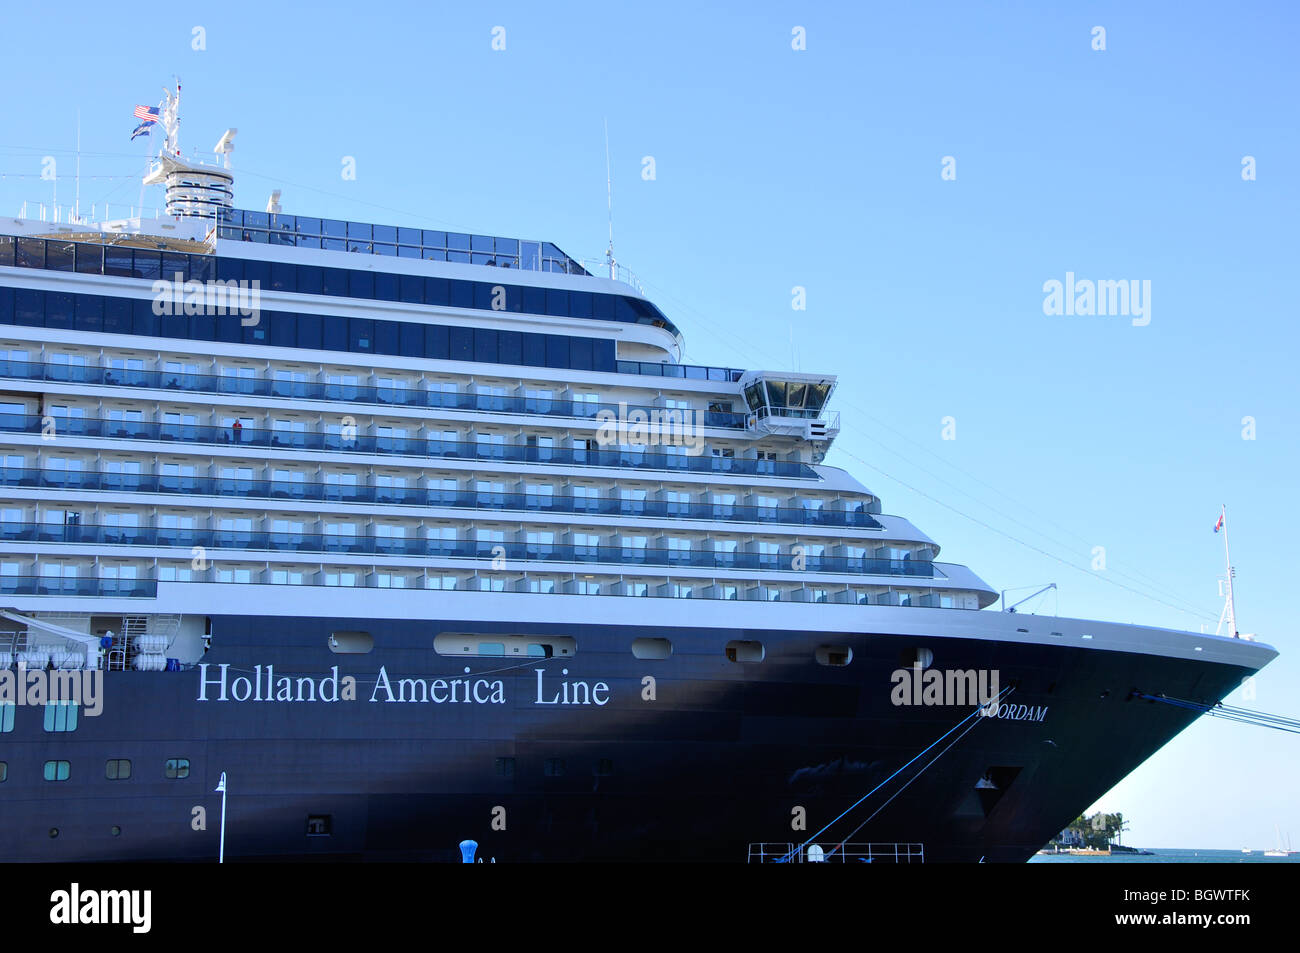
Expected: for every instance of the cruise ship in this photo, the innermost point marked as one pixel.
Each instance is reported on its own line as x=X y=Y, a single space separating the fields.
x=337 y=540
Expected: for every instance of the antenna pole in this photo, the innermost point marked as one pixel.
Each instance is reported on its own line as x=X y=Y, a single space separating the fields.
x=609 y=200
x=76 y=204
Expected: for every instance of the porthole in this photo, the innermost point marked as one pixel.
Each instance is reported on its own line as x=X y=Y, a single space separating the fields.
x=116 y=831
x=54 y=832
x=652 y=648
x=921 y=656
x=743 y=650
x=834 y=655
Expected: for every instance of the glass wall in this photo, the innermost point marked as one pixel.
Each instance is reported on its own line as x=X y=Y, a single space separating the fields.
x=150 y=265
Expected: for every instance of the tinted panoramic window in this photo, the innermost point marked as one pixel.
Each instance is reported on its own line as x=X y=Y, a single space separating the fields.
x=150 y=265
x=98 y=313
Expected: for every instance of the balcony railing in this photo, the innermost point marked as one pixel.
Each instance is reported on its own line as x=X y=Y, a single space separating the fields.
x=531 y=552
x=427 y=447
x=432 y=497
x=352 y=393
x=77 y=586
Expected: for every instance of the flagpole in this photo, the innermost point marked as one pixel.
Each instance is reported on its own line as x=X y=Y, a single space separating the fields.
x=221 y=788
x=1232 y=608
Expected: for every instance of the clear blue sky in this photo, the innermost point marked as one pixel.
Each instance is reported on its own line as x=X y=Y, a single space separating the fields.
x=821 y=168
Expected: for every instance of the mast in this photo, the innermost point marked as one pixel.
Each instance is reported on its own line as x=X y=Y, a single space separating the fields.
x=76 y=201
x=609 y=199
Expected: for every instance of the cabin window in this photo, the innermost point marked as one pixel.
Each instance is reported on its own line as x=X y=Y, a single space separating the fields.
x=4 y=771
x=320 y=825
x=603 y=768
x=741 y=650
x=505 y=767
x=57 y=770
x=351 y=643
x=7 y=710
x=554 y=767
x=117 y=769
x=652 y=648
x=834 y=655
x=176 y=768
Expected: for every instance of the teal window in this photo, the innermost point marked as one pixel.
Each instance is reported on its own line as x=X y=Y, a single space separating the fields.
x=117 y=769
x=57 y=770
x=61 y=716
x=7 y=710
x=176 y=768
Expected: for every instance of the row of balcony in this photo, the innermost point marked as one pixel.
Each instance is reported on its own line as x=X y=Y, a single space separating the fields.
x=547 y=503
x=391 y=396
x=87 y=534
x=346 y=441
x=93 y=585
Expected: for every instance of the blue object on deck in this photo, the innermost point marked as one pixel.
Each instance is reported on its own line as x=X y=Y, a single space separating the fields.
x=467 y=848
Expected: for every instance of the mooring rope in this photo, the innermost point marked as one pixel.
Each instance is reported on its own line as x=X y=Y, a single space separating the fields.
x=1228 y=712
x=974 y=714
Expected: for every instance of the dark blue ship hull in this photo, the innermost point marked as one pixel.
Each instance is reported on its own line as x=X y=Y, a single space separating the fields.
x=723 y=755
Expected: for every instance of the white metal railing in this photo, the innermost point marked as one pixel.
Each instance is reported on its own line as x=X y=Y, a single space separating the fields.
x=601 y=268
x=844 y=853
x=68 y=215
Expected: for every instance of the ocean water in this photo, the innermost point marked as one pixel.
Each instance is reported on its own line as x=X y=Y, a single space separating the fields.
x=1171 y=855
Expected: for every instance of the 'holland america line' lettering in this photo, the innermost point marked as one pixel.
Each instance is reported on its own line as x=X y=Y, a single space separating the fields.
x=478 y=691
x=263 y=685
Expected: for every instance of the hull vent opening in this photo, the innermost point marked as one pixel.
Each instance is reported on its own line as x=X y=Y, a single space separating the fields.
x=652 y=648
x=834 y=655
x=993 y=784
x=919 y=656
x=351 y=643
x=742 y=650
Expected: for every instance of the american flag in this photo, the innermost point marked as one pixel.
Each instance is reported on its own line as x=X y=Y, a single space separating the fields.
x=147 y=113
